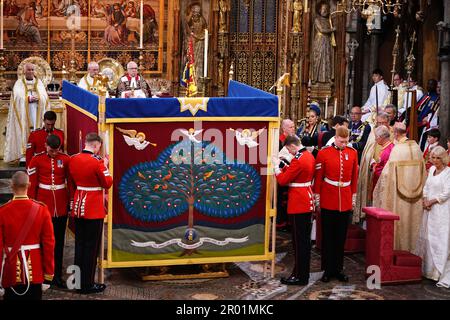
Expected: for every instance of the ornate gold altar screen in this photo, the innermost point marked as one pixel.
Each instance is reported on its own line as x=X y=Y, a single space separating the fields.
x=192 y=176
x=61 y=32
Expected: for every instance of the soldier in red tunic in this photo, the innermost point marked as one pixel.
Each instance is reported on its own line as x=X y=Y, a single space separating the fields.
x=298 y=175
x=26 y=244
x=89 y=176
x=37 y=138
x=48 y=172
x=335 y=183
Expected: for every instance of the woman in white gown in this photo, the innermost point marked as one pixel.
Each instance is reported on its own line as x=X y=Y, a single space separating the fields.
x=433 y=244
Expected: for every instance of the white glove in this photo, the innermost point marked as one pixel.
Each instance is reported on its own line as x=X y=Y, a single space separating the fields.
x=317 y=200
x=45 y=287
x=275 y=161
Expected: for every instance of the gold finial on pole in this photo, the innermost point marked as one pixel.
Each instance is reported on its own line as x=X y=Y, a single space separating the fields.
x=410 y=59
x=395 y=52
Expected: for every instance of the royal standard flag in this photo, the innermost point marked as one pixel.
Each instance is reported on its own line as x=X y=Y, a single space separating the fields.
x=188 y=77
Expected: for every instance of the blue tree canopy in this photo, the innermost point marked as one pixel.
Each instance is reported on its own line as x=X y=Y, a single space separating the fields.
x=186 y=173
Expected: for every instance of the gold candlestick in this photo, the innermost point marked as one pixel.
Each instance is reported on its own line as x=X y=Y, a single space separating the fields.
x=73 y=70
x=231 y=72
x=141 y=61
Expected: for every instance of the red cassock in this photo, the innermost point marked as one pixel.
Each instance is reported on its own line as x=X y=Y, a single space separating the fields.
x=336 y=177
x=48 y=182
x=89 y=177
x=37 y=247
x=298 y=176
x=37 y=139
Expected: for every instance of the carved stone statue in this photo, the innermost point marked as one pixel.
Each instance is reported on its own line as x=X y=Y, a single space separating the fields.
x=223 y=8
x=196 y=26
x=297 y=16
x=322 y=68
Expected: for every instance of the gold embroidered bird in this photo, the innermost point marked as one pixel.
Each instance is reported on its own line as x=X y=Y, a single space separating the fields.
x=207 y=175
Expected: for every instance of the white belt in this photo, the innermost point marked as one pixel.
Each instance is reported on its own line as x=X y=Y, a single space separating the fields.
x=300 y=185
x=90 y=188
x=24 y=264
x=52 y=186
x=27 y=247
x=338 y=183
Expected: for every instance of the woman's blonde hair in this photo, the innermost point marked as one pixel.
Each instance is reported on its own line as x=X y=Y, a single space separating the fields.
x=441 y=153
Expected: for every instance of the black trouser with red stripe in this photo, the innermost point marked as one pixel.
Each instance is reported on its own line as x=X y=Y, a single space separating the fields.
x=334 y=233
x=59 y=230
x=301 y=240
x=88 y=234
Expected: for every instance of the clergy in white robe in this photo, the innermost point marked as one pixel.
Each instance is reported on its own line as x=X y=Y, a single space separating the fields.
x=380 y=90
x=29 y=101
x=399 y=190
x=433 y=244
x=89 y=81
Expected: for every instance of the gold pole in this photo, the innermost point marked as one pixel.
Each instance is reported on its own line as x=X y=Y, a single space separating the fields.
x=395 y=52
x=73 y=76
x=102 y=126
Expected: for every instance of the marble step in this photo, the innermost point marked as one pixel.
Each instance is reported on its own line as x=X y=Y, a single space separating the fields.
x=7 y=172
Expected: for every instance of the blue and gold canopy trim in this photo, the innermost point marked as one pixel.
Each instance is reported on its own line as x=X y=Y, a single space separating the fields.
x=81 y=99
x=244 y=102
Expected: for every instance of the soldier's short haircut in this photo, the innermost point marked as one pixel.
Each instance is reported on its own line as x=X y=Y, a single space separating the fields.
x=53 y=141
x=435 y=133
x=50 y=115
x=342 y=132
x=92 y=137
x=20 y=180
x=292 y=140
